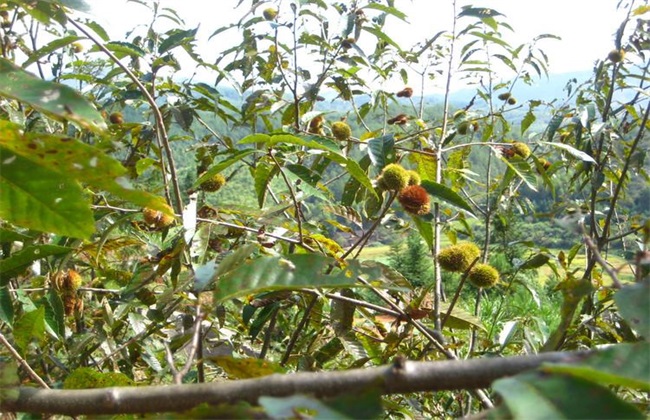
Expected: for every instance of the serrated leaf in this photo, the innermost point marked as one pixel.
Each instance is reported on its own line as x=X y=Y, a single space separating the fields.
x=553 y=125
x=460 y=319
x=74 y=159
x=425 y=228
x=54 y=312
x=49 y=49
x=623 y=364
x=239 y=155
x=354 y=170
x=573 y=151
x=287 y=407
x=528 y=120
x=633 y=301
x=479 y=12
x=426 y=166
x=7 y=235
x=279 y=273
x=49 y=97
x=262 y=318
x=176 y=38
x=536 y=261
x=80 y=5
x=387 y=9
x=380 y=150
x=255 y=139
x=312 y=142
x=99 y=30
x=244 y=368
x=447 y=195
x=9 y=380
x=264 y=172
x=539 y=395
x=28 y=327
x=523 y=170
x=22 y=259
x=38 y=198
x=6 y=306
x=124 y=49
x=380 y=35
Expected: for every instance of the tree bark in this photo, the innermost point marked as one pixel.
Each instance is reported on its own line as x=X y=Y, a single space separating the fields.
x=400 y=377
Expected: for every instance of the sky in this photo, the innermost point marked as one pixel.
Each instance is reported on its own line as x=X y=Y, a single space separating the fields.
x=586 y=27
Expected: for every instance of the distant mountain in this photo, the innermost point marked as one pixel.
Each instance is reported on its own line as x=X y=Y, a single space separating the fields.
x=545 y=89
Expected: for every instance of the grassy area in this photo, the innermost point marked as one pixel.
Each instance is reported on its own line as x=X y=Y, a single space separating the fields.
x=375 y=253
x=544 y=273
x=624 y=274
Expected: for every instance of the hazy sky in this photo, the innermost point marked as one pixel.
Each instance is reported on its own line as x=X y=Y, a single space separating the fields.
x=585 y=26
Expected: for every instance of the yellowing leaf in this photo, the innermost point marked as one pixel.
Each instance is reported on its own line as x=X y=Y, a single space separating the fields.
x=246 y=367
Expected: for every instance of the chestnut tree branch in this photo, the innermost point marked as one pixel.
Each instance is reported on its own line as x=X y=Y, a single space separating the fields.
x=398 y=378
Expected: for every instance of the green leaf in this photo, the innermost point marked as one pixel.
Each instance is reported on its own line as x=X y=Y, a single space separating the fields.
x=80 y=5
x=302 y=179
x=9 y=380
x=381 y=35
x=288 y=407
x=633 y=301
x=387 y=9
x=54 y=313
x=49 y=49
x=20 y=260
x=523 y=170
x=255 y=139
x=623 y=364
x=555 y=123
x=38 y=198
x=49 y=97
x=447 y=195
x=426 y=230
x=380 y=150
x=311 y=142
x=573 y=151
x=354 y=170
x=7 y=235
x=278 y=273
x=536 y=261
x=99 y=30
x=64 y=155
x=479 y=12
x=537 y=395
x=528 y=120
x=6 y=306
x=176 y=38
x=125 y=49
x=460 y=319
x=28 y=327
x=264 y=172
x=246 y=367
x=239 y=155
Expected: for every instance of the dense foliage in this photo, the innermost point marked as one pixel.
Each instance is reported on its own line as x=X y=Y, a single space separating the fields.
x=156 y=229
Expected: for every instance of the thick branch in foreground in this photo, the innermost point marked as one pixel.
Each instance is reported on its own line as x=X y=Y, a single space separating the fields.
x=401 y=377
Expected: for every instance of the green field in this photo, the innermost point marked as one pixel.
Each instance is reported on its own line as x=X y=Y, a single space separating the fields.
x=381 y=254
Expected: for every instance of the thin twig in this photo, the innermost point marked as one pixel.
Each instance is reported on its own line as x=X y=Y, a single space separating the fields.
x=599 y=259
x=196 y=336
x=298 y=330
x=160 y=125
x=457 y=294
x=296 y=204
x=22 y=362
x=364 y=238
